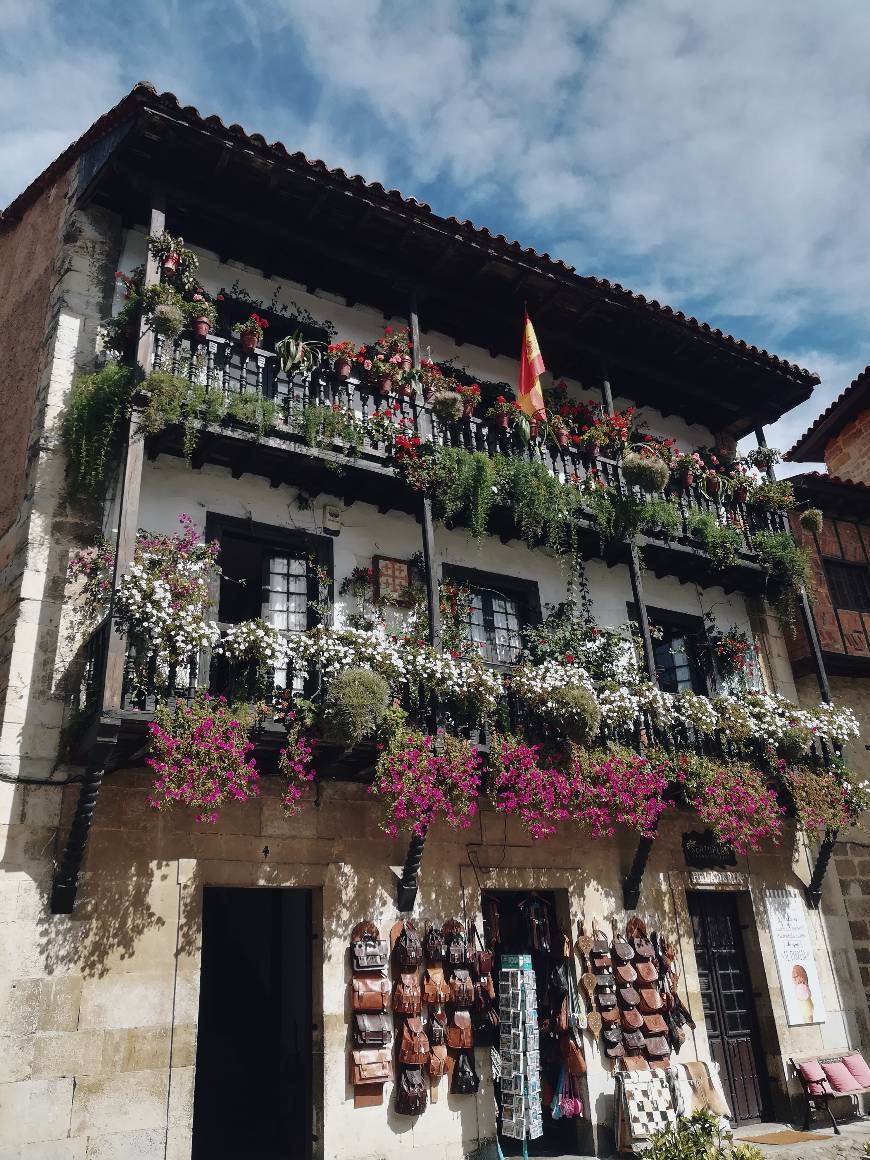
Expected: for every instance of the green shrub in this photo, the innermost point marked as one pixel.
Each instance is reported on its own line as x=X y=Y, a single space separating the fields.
x=544 y=509
x=576 y=713
x=92 y=425
x=773 y=495
x=697 y=1137
x=355 y=705
x=721 y=542
x=321 y=425
x=620 y=516
x=788 y=570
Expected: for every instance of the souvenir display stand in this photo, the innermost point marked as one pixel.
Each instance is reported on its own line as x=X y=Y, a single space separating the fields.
x=521 y=1117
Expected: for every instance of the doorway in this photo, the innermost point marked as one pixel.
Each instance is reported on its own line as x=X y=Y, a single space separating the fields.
x=253 y=1093
x=728 y=1003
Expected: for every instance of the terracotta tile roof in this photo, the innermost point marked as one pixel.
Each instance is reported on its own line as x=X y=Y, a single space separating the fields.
x=143 y=95
x=824 y=479
x=810 y=447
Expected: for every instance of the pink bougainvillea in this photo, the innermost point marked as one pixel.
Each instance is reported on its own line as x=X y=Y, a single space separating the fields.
x=294 y=764
x=540 y=796
x=418 y=785
x=734 y=802
x=201 y=758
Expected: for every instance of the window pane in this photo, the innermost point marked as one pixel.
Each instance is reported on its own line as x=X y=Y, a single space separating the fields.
x=849 y=584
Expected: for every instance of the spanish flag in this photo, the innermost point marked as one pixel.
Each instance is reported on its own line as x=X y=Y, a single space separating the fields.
x=529 y=395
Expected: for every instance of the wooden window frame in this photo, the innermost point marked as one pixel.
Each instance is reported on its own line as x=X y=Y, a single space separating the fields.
x=525 y=593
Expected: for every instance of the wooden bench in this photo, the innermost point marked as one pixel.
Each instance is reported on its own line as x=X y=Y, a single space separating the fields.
x=815 y=1099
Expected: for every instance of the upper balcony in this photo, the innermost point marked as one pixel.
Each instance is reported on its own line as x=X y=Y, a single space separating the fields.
x=278 y=426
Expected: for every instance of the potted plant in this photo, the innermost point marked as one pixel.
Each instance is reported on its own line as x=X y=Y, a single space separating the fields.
x=448 y=406
x=432 y=379
x=645 y=469
x=250 y=332
x=381 y=373
x=165 y=309
x=470 y=398
x=201 y=314
x=342 y=355
x=773 y=495
x=167 y=250
x=711 y=482
x=812 y=520
x=501 y=413
x=763 y=457
x=297 y=355
x=560 y=431
x=685 y=467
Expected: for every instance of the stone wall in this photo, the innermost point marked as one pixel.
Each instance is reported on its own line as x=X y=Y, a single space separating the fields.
x=848 y=454
x=98 y=1010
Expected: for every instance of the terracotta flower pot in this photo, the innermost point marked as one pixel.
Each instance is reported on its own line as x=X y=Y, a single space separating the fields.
x=499 y=422
x=740 y=493
x=342 y=368
x=407 y=362
x=248 y=339
x=562 y=438
x=468 y=408
x=384 y=384
x=201 y=326
x=714 y=484
x=533 y=428
x=170 y=264
x=687 y=478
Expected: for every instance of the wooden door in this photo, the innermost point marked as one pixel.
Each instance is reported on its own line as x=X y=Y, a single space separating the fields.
x=729 y=1007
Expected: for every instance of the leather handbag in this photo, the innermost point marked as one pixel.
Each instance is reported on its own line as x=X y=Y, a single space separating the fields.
x=466 y=1081
x=643 y=948
x=634 y=1063
x=459 y=1033
x=632 y=1019
x=461 y=988
x=455 y=944
x=647 y=971
x=634 y=1039
x=622 y=950
x=369 y=952
x=408 y=949
x=413 y=1046
x=572 y=1054
x=436 y=989
x=559 y=983
x=411 y=1092
x=651 y=1000
x=655 y=1025
x=437 y=1029
x=484 y=991
x=601 y=960
x=486 y=1024
x=609 y=1014
x=613 y=1045
x=625 y=973
x=407 y=999
x=481 y=958
x=629 y=996
x=433 y=945
x=605 y=992
x=372 y=1029
x=437 y=1061
x=370 y=1067
x=370 y=993
x=657 y=1046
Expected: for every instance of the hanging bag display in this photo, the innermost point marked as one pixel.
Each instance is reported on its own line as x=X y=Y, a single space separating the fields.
x=436 y=989
x=413 y=1045
x=437 y=1061
x=369 y=952
x=410 y=1092
x=407 y=999
x=651 y=1000
x=647 y=971
x=459 y=1031
x=480 y=958
x=572 y=1053
x=623 y=952
x=372 y=1029
x=461 y=988
x=437 y=1029
x=632 y=1019
x=370 y=1067
x=370 y=993
x=433 y=945
x=408 y=949
x=466 y=1081
x=455 y=944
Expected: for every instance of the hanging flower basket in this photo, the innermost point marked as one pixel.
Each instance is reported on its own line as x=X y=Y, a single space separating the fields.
x=812 y=520
x=741 y=492
x=170 y=264
x=383 y=384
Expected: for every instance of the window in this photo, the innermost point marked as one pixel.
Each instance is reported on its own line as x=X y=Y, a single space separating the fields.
x=679 y=644
x=498 y=610
x=849 y=585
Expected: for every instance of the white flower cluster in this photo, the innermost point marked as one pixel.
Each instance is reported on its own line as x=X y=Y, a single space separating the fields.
x=253 y=640
x=535 y=684
x=145 y=611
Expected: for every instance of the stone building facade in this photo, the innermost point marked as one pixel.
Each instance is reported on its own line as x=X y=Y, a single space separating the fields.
x=107 y=984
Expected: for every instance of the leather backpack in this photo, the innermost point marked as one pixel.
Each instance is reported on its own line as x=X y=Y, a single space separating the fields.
x=643 y=948
x=461 y=988
x=406 y=994
x=437 y=1062
x=369 y=952
x=455 y=944
x=408 y=949
x=370 y=993
x=459 y=1033
x=411 y=1092
x=436 y=989
x=466 y=1081
x=433 y=945
x=437 y=1030
x=651 y=1000
x=370 y=1067
x=572 y=1054
x=372 y=1029
x=413 y=1046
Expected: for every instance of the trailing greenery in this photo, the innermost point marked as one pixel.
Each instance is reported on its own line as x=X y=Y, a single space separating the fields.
x=575 y=712
x=620 y=516
x=465 y=489
x=91 y=429
x=320 y=425
x=721 y=542
x=252 y=409
x=544 y=509
x=355 y=706
x=175 y=399
x=812 y=520
x=788 y=569
x=773 y=495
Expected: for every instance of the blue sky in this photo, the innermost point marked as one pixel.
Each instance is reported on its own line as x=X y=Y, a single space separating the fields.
x=714 y=156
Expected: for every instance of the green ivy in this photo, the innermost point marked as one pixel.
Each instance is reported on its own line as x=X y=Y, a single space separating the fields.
x=320 y=425
x=174 y=399
x=544 y=509
x=92 y=424
x=465 y=488
x=721 y=542
x=621 y=515
x=788 y=569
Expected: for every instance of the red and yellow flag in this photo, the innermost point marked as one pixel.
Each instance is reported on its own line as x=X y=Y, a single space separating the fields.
x=529 y=394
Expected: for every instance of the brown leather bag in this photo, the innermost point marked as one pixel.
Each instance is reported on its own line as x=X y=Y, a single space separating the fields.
x=609 y=1015
x=647 y=971
x=459 y=1033
x=438 y=1062
x=650 y=1000
x=657 y=1046
x=370 y=1067
x=629 y=996
x=632 y=1019
x=407 y=999
x=572 y=1054
x=372 y=1029
x=411 y=1096
x=634 y=1039
x=655 y=1025
x=433 y=945
x=625 y=973
x=370 y=992
x=437 y=1029
x=461 y=987
x=436 y=989
x=413 y=1046
x=408 y=949
x=369 y=952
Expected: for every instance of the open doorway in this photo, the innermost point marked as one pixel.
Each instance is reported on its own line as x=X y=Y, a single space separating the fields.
x=253 y=1093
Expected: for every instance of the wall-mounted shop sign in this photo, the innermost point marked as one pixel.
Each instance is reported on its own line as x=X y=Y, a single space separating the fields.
x=717 y=880
x=704 y=851
x=795 y=962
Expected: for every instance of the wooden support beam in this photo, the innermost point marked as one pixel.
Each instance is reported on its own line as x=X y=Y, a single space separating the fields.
x=131 y=479
x=631 y=882
x=406 y=894
x=814 y=888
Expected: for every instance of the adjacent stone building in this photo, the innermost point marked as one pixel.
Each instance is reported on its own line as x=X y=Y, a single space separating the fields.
x=176 y=988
